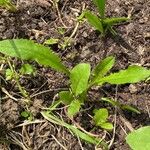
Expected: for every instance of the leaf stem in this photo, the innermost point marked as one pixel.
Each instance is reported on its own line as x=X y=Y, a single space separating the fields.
x=16 y=78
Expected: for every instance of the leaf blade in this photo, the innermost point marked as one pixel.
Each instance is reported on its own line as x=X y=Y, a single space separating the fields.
x=66 y=97
x=79 y=77
x=139 y=138
x=101 y=7
x=74 y=108
x=130 y=108
x=133 y=74
x=94 y=21
x=107 y=126
x=100 y=116
x=103 y=67
x=28 y=50
x=115 y=20
x=8 y=5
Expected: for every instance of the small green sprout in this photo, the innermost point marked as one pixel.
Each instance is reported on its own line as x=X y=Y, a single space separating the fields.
x=27 y=115
x=9 y=74
x=62 y=43
x=27 y=69
x=101 y=23
x=51 y=41
x=61 y=30
x=100 y=119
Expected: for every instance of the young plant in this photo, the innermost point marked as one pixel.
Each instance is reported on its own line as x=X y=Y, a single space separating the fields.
x=81 y=78
x=27 y=115
x=101 y=22
x=100 y=119
x=139 y=139
x=8 y=5
x=27 y=69
x=62 y=43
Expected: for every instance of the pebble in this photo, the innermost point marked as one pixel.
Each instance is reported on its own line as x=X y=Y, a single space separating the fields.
x=132 y=88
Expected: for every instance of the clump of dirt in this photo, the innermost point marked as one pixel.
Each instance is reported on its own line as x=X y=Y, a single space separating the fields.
x=9 y=113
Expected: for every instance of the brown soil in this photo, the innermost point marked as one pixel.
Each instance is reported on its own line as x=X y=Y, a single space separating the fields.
x=39 y=20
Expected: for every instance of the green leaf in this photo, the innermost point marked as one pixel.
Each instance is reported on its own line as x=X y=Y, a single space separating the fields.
x=114 y=21
x=139 y=139
x=100 y=116
x=133 y=74
x=81 y=17
x=25 y=114
x=121 y=106
x=9 y=74
x=8 y=5
x=147 y=80
x=27 y=69
x=101 y=7
x=28 y=50
x=107 y=126
x=112 y=102
x=66 y=97
x=74 y=108
x=61 y=30
x=94 y=21
x=54 y=105
x=130 y=108
x=84 y=136
x=103 y=67
x=51 y=41
x=79 y=77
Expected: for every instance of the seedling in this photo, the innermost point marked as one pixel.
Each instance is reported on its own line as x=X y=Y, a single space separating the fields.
x=51 y=41
x=101 y=22
x=62 y=43
x=27 y=69
x=100 y=119
x=9 y=74
x=27 y=115
x=8 y=5
x=81 y=78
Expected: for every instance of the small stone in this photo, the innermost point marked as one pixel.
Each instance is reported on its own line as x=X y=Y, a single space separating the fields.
x=2 y=28
x=132 y=88
x=84 y=34
x=85 y=53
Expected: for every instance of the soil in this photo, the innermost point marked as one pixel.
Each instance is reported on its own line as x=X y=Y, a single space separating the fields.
x=40 y=20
